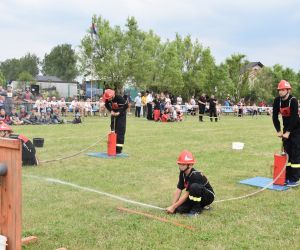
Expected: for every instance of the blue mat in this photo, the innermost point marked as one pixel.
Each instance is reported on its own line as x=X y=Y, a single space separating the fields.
x=262 y=182
x=104 y=155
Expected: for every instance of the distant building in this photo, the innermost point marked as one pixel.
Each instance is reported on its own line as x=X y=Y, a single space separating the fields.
x=44 y=83
x=252 y=69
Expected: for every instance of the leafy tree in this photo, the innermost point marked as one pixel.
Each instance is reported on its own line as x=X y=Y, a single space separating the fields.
x=103 y=57
x=25 y=77
x=61 y=62
x=263 y=88
x=2 y=79
x=208 y=69
x=149 y=70
x=236 y=64
x=171 y=79
x=223 y=81
x=181 y=66
x=29 y=63
x=11 y=68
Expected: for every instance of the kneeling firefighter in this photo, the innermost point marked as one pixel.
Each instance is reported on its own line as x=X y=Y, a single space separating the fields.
x=28 y=149
x=117 y=107
x=199 y=193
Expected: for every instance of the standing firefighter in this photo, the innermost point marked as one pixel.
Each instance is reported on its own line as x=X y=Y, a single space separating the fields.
x=202 y=104
x=287 y=106
x=28 y=149
x=117 y=107
x=199 y=192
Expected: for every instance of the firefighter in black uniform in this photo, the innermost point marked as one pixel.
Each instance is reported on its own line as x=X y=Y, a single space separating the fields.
x=287 y=106
x=199 y=193
x=28 y=149
x=201 y=103
x=117 y=107
x=213 y=108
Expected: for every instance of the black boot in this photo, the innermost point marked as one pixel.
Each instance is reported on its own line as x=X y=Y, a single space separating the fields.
x=196 y=209
x=118 y=150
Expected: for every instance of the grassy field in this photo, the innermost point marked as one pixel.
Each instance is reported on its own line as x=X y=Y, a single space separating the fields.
x=63 y=216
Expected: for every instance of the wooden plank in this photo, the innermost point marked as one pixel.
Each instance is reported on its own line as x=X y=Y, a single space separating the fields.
x=9 y=143
x=28 y=240
x=11 y=193
x=156 y=218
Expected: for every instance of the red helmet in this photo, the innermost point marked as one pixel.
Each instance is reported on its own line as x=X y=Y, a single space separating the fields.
x=108 y=94
x=5 y=127
x=283 y=84
x=186 y=157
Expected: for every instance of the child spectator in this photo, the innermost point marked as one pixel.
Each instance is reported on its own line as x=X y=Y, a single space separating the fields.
x=55 y=119
x=62 y=106
x=179 y=114
x=4 y=117
x=77 y=118
x=14 y=117
x=165 y=116
x=34 y=118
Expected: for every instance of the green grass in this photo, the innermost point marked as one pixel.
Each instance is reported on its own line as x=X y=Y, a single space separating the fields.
x=62 y=216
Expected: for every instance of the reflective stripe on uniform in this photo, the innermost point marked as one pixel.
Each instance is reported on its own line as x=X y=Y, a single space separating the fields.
x=289 y=164
x=119 y=145
x=198 y=199
x=295 y=165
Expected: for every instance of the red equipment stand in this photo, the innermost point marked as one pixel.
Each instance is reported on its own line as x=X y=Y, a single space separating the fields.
x=111 y=143
x=280 y=161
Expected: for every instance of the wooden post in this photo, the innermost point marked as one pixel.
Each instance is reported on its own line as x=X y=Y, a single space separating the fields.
x=11 y=193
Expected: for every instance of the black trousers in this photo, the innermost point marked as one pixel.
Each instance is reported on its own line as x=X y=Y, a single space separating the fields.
x=292 y=148
x=137 y=111
x=144 y=110
x=198 y=191
x=118 y=124
x=201 y=112
x=149 y=111
x=213 y=112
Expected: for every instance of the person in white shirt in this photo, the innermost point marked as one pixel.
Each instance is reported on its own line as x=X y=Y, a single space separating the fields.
x=179 y=100
x=53 y=103
x=39 y=104
x=102 y=109
x=88 y=107
x=75 y=105
x=62 y=106
x=138 y=105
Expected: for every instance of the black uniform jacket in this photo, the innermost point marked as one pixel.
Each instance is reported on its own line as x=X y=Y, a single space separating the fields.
x=291 y=122
x=117 y=104
x=194 y=176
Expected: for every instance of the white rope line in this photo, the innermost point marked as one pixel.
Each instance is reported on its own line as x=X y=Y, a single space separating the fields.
x=51 y=180
x=73 y=155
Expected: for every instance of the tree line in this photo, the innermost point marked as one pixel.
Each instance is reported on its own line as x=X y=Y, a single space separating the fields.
x=130 y=56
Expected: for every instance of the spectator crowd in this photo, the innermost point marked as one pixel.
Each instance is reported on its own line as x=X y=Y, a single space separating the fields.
x=26 y=108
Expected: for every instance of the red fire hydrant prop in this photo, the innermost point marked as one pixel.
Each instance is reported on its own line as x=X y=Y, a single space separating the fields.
x=280 y=161
x=111 y=144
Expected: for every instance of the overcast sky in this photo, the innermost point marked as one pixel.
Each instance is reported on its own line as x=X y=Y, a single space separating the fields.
x=264 y=30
